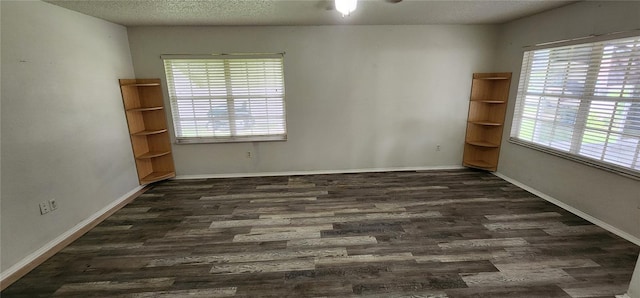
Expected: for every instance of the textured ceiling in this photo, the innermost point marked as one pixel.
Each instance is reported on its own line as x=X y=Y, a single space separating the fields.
x=305 y=12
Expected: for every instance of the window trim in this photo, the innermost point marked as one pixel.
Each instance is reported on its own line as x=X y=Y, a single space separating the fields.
x=580 y=40
x=231 y=138
x=515 y=122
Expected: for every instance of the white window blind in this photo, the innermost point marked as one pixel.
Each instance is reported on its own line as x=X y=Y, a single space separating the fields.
x=582 y=102
x=228 y=98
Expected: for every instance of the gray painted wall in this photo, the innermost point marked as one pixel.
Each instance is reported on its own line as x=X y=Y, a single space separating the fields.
x=609 y=197
x=357 y=97
x=634 y=287
x=64 y=134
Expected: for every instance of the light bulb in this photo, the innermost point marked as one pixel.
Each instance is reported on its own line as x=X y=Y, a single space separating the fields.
x=346 y=7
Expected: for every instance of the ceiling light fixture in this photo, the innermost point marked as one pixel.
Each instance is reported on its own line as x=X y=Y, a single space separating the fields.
x=346 y=7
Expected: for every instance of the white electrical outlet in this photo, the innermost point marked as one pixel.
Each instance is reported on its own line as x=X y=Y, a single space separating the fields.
x=438 y=148
x=44 y=207
x=53 y=204
x=248 y=154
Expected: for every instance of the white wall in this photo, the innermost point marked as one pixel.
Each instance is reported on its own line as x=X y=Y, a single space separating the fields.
x=64 y=134
x=606 y=196
x=634 y=286
x=358 y=97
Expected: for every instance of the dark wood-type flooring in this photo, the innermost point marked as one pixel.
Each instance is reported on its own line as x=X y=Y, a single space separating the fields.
x=457 y=233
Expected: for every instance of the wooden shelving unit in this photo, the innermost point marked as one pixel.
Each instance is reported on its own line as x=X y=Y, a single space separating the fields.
x=150 y=142
x=487 y=109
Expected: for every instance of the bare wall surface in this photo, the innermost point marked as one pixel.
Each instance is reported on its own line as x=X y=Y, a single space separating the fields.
x=611 y=198
x=357 y=97
x=64 y=134
x=634 y=286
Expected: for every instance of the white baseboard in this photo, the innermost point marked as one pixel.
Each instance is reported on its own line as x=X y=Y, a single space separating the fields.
x=317 y=172
x=585 y=216
x=7 y=275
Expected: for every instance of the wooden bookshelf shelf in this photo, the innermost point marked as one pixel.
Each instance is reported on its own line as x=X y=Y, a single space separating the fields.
x=157 y=176
x=494 y=78
x=153 y=154
x=487 y=123
x=141 y=85
x=149 y=132
x=479 y=164
x=483 y=144
x=491 y=101
x=144 y=108
x=487 y=109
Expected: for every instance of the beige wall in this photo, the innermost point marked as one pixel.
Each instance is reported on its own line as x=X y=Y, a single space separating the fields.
x=606 y=196
x=64 y=134
x=357 y=97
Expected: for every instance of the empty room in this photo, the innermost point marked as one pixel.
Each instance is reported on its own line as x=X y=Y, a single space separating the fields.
x=320 y=148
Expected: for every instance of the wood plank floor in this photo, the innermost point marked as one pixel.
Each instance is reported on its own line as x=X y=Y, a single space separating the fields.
x=456 y=233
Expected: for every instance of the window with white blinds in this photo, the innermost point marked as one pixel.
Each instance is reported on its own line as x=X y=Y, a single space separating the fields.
x=582 y=102
x=227 y=98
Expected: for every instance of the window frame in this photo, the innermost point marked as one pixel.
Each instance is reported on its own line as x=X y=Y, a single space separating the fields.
x=585 y=101
x=229 y=99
